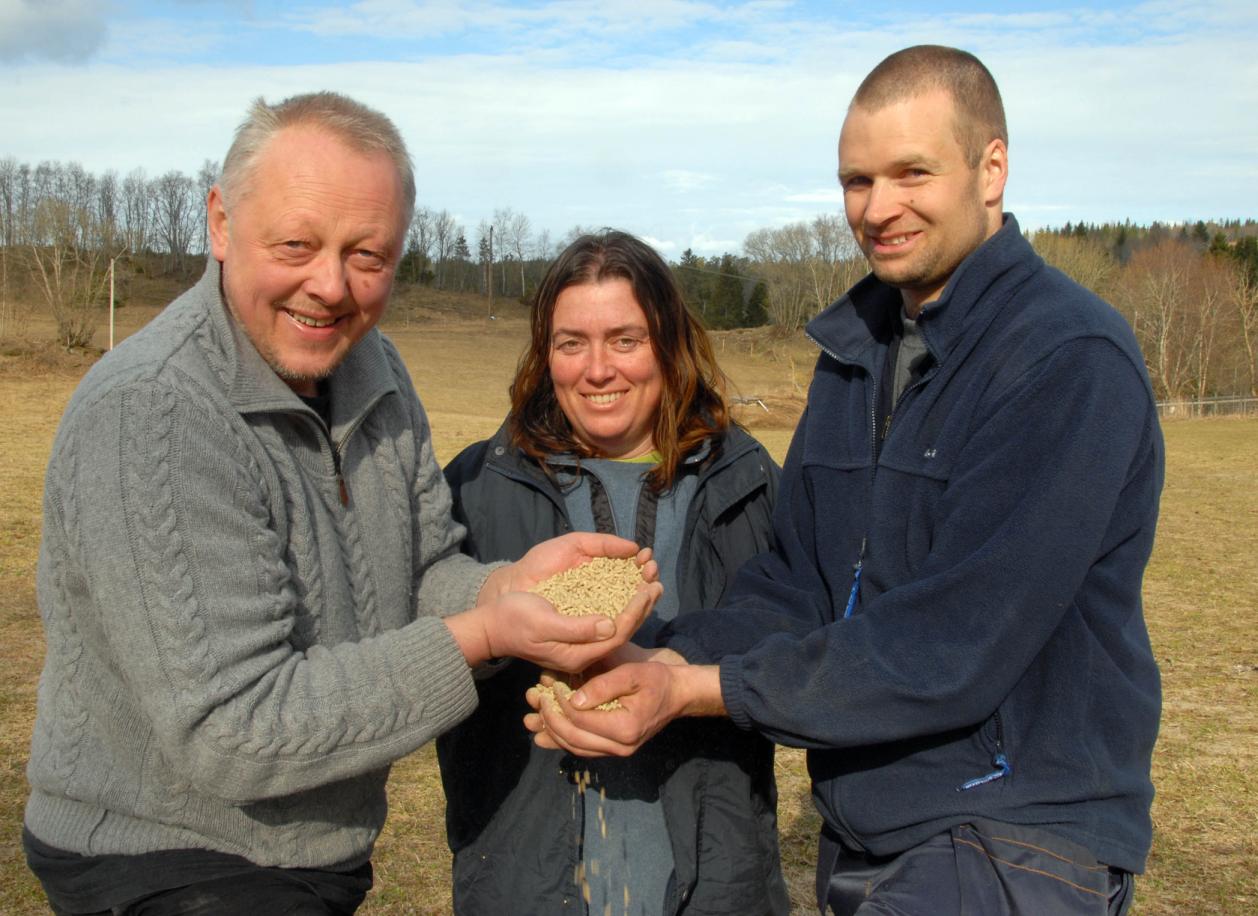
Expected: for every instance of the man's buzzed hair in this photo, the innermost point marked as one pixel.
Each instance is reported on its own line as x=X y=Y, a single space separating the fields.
x=362 y=129
x=922 y=68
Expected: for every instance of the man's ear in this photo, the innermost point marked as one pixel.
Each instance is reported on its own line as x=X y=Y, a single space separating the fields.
x=216 y=220
x=994 y=167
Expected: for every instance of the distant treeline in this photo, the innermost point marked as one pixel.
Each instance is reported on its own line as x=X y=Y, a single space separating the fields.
x=1189 y=290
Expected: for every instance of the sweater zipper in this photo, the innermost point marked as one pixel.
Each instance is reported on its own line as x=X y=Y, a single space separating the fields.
x=341 y=486
x=322 y=431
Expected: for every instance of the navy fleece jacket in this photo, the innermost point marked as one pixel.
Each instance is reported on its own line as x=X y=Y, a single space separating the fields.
x=995 y=662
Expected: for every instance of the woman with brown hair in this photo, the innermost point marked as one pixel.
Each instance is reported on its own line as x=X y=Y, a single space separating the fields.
x=618 y=424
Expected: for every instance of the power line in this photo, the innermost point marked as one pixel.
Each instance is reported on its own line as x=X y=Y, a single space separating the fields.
x=719 y=273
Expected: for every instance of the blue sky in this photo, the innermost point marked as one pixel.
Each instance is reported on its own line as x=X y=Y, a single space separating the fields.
x=689 y=123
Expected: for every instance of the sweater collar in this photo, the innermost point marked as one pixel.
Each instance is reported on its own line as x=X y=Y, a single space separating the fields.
x=358 y=383
x=854 y=329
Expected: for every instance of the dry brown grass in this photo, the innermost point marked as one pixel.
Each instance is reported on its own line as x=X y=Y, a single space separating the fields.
x=1201 y=589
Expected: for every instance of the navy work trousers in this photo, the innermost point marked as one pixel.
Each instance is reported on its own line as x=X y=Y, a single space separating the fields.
x=980 y=869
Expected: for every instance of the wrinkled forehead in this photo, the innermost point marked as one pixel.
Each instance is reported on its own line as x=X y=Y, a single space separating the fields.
x=318 y=153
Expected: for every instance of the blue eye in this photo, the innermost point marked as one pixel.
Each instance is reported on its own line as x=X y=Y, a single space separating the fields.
x=368 y=259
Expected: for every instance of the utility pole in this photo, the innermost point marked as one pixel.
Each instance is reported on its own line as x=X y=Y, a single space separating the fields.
x=489 y=273
x=111 y=302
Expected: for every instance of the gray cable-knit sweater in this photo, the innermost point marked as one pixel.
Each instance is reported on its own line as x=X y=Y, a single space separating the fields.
x=235 y=655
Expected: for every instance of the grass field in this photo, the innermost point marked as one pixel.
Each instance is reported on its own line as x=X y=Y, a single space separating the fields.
x=1201 y=591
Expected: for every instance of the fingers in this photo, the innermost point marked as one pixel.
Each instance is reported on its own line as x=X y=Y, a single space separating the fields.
x=562 y=726
x=647 y=567
x=638 y=609
x=592 y=544
x=608 y=686
x=588 y=628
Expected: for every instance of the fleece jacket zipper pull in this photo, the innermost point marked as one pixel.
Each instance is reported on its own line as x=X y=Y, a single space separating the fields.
x=856 y=582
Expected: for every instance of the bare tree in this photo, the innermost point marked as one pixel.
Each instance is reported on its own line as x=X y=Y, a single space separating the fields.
x=175 y=216
x=9 y=201
x=1084 y=259
x=805 y=267
x=1154 y=290
x=501 y=221
x=516 y=238
x=108 y=229
x=419 y=241
x=445 y=233
x=9 y=190
x=137 y=212
x=780 y=256
x=69 y=273
x=1206 y=315
x=836 y=262
x=207 y=177
x=543 y=249
x=485 y=255
x=1243 y=294
x=1176 y=300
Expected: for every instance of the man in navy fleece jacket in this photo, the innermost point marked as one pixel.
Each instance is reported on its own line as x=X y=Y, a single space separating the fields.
x=950 y=621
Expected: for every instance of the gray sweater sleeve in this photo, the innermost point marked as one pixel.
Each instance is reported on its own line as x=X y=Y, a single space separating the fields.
x=172 y=554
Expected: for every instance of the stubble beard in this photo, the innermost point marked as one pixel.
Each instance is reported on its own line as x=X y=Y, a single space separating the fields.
x=288 y=374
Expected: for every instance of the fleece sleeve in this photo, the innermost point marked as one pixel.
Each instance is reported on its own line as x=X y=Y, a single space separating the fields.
x=1059 y=473
x=174 y=555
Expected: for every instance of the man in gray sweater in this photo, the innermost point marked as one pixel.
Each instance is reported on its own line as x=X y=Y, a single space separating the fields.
x=250 y=582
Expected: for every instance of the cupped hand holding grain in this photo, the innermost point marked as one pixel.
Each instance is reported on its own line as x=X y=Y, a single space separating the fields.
x=650 y=695
x=525 y=625
x=562 y=553
x=509 y=622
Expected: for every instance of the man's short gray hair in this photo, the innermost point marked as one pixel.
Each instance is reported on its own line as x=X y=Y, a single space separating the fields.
x=362 y=129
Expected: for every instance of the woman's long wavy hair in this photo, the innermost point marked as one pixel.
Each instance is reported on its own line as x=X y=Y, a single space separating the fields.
x=692 y=402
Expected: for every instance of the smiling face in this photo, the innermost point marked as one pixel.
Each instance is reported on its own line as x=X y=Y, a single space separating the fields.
x=915 y=205
x=604 y=371
x=309 y=249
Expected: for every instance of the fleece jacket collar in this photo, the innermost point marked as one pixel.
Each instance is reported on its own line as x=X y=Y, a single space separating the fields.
x=856 y=327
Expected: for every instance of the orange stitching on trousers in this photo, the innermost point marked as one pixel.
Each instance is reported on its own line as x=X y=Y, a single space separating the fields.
x=1037 y=871
x=1049 y=852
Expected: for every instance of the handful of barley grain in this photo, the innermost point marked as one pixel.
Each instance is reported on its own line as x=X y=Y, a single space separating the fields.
x=601 y=586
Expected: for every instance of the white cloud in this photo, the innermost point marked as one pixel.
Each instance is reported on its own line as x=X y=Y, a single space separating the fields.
x=67 y=31
x=698 y=147
x=683 y=180
x=551 y=21
x=665 y=248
